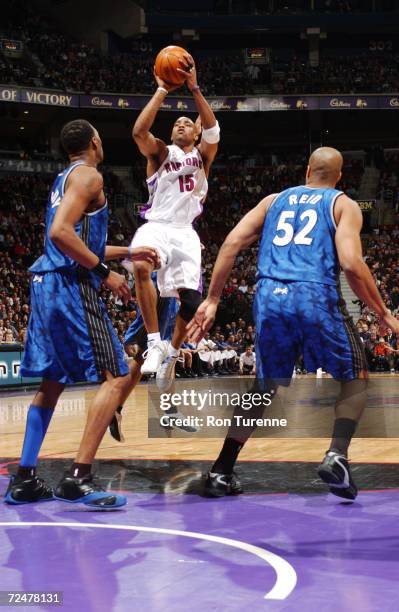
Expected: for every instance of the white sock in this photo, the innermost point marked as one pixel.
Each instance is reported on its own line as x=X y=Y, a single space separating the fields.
x=172 y=351
x=152 y=338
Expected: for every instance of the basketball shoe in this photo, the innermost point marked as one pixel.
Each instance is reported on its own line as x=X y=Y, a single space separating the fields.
x=219 y=485
x=154 y=356
x=27 y=490
x=335 y=472
x=166 y=372
x=85 y=491
x=115 y=426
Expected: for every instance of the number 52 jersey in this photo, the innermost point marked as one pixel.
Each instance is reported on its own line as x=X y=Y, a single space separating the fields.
x=298 y=238
x=178 y=189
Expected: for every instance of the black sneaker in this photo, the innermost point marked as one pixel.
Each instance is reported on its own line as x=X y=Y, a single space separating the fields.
x=115 y=426
x=219 y=485
x=27 y=490
x=84 y=490
x=335 y=471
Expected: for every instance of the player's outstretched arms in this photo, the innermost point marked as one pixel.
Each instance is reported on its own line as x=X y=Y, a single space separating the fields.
x=152 y=148
x=349 y=249
x=245 y=233
x=207 y=120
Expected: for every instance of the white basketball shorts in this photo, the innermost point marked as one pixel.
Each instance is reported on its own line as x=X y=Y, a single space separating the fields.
x=180 y=251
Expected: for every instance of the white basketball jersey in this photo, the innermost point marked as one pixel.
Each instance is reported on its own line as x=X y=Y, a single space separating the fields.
x=177 y=191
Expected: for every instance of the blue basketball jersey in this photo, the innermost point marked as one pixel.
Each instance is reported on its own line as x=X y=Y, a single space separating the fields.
x=298 y=237
x=92 y=229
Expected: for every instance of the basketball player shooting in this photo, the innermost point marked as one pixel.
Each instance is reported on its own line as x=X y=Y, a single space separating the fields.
x=177 y=183
x=307 y=233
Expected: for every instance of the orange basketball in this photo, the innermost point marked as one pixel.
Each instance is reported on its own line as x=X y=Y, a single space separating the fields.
x=167 y=62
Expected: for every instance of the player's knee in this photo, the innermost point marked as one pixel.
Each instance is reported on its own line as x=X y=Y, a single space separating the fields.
x=142 y=270
x=189 y=302
x=119 y=383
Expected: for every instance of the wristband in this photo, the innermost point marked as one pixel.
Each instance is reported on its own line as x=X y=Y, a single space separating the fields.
x=101 y=270
x=212 y=135
x=196 y=88
x=163 y=89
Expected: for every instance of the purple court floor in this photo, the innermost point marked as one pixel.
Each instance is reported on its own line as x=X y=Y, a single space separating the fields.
x=183 y=552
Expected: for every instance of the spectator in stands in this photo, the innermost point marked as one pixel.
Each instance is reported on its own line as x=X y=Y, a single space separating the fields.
x=248 y=361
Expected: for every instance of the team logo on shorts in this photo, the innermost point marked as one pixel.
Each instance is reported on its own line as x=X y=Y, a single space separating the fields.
x=282 y=290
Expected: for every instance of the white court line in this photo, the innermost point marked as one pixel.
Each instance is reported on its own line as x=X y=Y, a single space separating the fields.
x=286 y=575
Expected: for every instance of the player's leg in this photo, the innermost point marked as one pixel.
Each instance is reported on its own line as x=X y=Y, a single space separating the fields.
x=115 y=425
x=190 y=299
x=335 y=470
x=332 y=342
x=276 y=350
x=149 y=234
x=26 y=487
x=40 y=360
x=182 y=276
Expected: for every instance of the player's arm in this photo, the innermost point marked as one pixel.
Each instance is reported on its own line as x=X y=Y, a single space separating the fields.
x=154 y=149
x=133 y=254
x=349 y=249
x=84 y=186
x=245 y=233
x=210 y=127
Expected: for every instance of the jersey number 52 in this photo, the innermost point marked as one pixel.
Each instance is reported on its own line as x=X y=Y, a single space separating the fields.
x=301 y=237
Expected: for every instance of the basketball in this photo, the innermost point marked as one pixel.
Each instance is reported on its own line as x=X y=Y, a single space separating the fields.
x=167 y=62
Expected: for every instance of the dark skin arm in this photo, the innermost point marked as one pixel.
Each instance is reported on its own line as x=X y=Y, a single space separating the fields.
x=154 y=149
x=84 y=187
x=349 y=248
x=137 y=254
x=206 y=115
x=247 y=231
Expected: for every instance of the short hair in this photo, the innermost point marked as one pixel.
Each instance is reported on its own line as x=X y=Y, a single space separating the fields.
x=76 y=135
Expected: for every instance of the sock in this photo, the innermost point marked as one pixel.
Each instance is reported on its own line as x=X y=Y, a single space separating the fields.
x=228 y=456
x=151 y=338
x=343 y=432
x=78 y=470
x=26 y=472
x=37 y=422
x=172 y=352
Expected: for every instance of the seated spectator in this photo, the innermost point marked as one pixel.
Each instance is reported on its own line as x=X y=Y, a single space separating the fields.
x=248 y=361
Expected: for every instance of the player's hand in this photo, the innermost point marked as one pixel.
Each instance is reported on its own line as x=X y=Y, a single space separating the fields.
x=189 y=71
x=388 y=321
x=202 y=320
x=164 y=84
x=118 y=285
x=145 y=254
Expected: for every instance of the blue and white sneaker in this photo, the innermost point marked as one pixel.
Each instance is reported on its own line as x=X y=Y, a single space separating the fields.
x=335 y=472
x=85 y=491
x=27 y=490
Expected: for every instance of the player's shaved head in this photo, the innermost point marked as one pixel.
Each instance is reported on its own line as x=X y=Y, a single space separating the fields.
x=324 y=166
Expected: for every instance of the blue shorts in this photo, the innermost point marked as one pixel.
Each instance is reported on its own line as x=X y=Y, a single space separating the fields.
x=70 y=335
x=304 y=318
x=167 y=309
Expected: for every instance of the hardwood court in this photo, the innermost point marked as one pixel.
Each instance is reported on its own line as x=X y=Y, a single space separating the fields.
x=65 y=430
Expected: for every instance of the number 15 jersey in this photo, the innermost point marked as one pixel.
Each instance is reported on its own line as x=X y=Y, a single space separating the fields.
x=298 y=237
x=178 y=189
